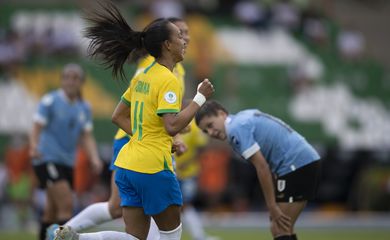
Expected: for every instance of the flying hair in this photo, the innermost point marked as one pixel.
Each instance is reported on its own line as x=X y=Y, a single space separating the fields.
x=112 y=39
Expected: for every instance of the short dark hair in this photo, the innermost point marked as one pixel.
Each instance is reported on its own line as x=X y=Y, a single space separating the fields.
x=113 y=40
x=77 y=67
x=175 y=19
x=209 y=108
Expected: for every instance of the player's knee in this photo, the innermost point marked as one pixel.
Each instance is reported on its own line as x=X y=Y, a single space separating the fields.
x=276 y=231
x=174 y=234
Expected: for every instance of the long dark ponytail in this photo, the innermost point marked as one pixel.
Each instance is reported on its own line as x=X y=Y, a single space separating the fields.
x=113 y=40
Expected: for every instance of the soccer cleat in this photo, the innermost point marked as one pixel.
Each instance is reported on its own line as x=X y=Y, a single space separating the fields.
x=50 y=231
x=66 y=233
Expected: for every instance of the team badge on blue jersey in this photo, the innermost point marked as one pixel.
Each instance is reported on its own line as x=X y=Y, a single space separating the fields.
x=281 y=185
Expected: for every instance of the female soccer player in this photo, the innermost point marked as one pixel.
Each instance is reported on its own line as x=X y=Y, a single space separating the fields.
x=145 y=179
x=63 y=117
x=275 y=149
x=99 y=213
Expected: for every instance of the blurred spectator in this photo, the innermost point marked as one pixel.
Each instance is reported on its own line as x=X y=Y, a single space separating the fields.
x=252 y=13
x=48 y=33
x=167 y=8
x=285 y=14
x=304 y=74
x=350 y=44
x=205 y=5
x=20 y=177
x=12 y=51
x=313 y=27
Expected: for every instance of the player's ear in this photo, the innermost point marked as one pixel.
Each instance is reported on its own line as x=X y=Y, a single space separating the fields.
x=221 y=113
x=167 y=45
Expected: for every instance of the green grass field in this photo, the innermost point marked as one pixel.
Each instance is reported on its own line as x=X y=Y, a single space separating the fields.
x=254 y=234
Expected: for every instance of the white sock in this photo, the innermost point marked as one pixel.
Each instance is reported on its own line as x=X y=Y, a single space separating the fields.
x=174 y=234
x=107 y=235
x=154 y=233
x=193 y=223
x=93 y=215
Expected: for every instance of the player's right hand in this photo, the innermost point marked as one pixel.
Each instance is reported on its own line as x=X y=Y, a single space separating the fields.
x=280 y=221
x=97 y=166
x=34 y=153
x=179 y=148
x=206 y=88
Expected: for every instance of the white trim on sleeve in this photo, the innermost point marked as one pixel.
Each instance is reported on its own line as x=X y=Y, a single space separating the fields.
x=88 y=127
x=38 y=118
x=250 y=151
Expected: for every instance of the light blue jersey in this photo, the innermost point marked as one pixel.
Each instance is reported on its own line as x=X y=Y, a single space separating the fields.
x=63 y=123
x=284 y=149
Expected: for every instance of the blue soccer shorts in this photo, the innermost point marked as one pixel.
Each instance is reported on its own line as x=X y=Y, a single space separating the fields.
x=152 y=192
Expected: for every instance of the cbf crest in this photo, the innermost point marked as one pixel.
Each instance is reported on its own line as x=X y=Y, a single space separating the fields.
x=170 y=97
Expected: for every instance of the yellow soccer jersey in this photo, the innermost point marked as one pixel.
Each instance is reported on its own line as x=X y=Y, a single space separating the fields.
x=120 y=134
x=154 y=91
x=178 y=71
x=144 y=63
x=187 y=165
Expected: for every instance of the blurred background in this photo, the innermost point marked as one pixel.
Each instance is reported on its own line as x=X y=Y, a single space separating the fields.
x=320 y=65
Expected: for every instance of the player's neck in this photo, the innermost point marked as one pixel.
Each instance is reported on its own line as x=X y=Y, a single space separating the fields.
x=71 y=97
x=168 y=63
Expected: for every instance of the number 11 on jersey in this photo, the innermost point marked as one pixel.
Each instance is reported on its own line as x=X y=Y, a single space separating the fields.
x=138 y=118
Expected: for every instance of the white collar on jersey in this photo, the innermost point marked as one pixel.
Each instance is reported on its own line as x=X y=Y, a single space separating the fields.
x=228 y=120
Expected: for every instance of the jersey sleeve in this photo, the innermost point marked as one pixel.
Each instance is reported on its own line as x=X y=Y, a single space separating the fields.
x=126 y=97
x=44 y=108
x=169 y=97
x=242 y=140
